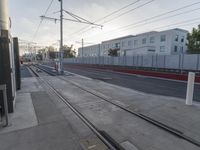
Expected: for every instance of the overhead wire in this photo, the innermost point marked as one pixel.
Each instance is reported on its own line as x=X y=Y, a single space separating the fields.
x=112 y=13
x=145 y=21
x=162 y=14
x=124 y=13
x=142 y=5
x=160 y=19
x=174 y=25
x=40 y=23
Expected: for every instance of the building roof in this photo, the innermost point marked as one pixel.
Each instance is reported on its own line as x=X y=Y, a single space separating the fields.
x=123 y=37
x=89 y=46
x=150 y=32
x=180 y=29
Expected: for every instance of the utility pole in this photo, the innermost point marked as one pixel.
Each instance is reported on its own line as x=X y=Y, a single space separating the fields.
x=82 y=46
x=76 y=19
x=61 y=36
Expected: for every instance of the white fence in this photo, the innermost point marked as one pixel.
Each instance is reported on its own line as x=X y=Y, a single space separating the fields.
x=182 y=62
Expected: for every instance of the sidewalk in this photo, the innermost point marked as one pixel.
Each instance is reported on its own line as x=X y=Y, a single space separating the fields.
x=38 y=124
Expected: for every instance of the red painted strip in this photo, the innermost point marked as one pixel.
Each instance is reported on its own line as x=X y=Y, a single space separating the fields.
x=174 y=76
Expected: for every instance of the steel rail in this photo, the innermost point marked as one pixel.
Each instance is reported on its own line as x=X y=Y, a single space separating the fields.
x=159 y=124
x=95 y=130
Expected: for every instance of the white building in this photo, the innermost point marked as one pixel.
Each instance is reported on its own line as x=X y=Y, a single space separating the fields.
x=120 y=44
x=90 y=51
x=167 y=42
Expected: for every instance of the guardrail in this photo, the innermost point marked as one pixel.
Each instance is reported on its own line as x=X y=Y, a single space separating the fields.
x=5 y=103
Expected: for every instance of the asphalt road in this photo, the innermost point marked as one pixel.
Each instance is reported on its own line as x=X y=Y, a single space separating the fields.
x=140 y=83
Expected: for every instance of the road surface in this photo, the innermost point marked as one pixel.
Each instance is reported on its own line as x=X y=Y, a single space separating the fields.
x=136 y=82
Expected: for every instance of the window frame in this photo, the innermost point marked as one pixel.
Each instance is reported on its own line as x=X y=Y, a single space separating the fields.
x=163 y=38
x=144 y=41
x=175 y=48
x=177 y=38
x=161 y=49
x=152 y=39
x=136 y=42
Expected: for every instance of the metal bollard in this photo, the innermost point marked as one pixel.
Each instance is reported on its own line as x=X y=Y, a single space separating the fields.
x=3 y=88
x=190 y=88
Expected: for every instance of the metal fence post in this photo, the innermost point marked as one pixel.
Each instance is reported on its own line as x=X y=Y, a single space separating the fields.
x=156 y=61
x=182 y=63
x=142 y=58
x=197 y=68
x=164 y=62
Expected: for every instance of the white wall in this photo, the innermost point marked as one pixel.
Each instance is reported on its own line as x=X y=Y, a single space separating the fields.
x=181 y=61
x=88 y=51
x=148 y=47
x=128 y=46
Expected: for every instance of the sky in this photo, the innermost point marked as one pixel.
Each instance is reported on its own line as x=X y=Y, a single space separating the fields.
x=25 y=16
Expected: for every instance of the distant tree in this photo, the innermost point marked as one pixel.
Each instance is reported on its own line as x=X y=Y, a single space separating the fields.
x=51 y=51
x=113 y=52
x=69 y=51
x=39 y=55
x=194 y=41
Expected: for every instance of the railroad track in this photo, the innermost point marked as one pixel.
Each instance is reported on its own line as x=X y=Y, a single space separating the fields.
x=102 y=135
x=150 y=120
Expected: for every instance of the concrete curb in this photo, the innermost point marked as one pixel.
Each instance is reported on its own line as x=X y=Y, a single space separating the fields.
x=173 y=76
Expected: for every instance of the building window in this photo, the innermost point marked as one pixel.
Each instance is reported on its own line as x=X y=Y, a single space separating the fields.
x=117 y=45
x=176 y=38
x=182 y=39
x=151 y=50
x=162 y=48
x=135 y=42
x=175 y=48
x=162 y=38
x=152 y=39
x=124 y=53
x=144 y=41
x=129 y=43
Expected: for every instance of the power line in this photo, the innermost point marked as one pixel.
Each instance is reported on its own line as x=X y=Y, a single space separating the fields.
x=182 y=23
x=116 y=11
x=139 y=25
x=179 y=23
x=157 y=16
x=80 y=19
x=112 y=13
x=40 y=23
x=162 y=14
x=142 y=5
